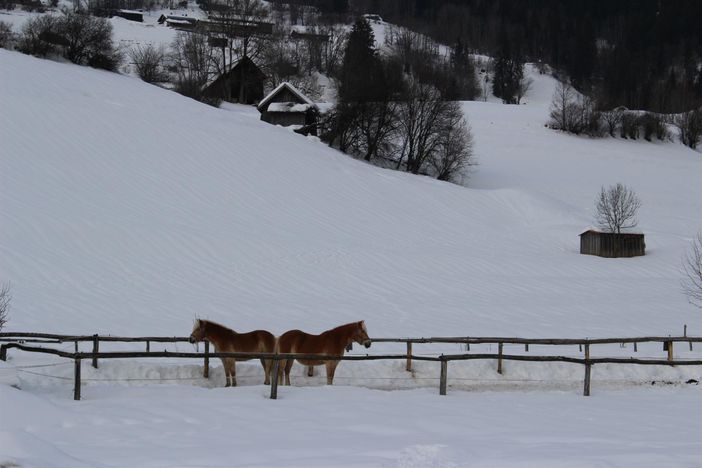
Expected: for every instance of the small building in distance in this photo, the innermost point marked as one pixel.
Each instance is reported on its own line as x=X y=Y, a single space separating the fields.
x=288 y=106
x=243 y=83
x=595 y=241
x=131 y=15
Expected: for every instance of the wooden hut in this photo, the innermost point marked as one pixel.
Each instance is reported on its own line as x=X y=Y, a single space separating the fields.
x=288 y=106
x=243 y=83
x=611 y=245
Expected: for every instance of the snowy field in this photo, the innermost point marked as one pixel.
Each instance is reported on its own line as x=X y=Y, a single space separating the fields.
x=127 y=209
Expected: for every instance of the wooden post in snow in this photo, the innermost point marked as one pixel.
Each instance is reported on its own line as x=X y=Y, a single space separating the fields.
x=499 y=358
x=96 y=349
x=76 y=379
x=274 y=379
x=206 y=368
x=586 y=387
x=442 y=380
x=408 y=367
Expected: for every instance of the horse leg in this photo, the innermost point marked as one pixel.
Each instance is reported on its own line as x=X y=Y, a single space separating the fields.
x=225 y=365
x=288 y=366
x=281 y=372
x=331 y=368
x=232 y=371
x=310 y=371
x=266 y=363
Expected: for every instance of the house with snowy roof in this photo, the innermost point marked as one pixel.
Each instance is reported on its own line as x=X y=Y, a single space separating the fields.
x=288 y=106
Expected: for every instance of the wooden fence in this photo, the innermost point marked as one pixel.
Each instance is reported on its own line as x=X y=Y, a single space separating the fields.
x=18 y=341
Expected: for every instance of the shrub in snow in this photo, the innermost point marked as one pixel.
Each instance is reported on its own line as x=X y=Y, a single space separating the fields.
x=5 y=298
x=690 y=126
x=78 y=37
x=149 y=61
x=33 y=39
x=5 y=35
x=574 y=113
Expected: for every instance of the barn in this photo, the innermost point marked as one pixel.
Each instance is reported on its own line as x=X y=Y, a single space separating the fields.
x=243 y=83
x=602 y=243
x=288 y=106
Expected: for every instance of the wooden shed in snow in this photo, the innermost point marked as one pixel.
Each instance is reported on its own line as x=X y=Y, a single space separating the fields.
x=288 y=106
x=243 y=83
x=611 y=245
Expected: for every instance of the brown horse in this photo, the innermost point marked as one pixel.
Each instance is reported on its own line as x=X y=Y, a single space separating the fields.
x=331 y=342
x=226 y=340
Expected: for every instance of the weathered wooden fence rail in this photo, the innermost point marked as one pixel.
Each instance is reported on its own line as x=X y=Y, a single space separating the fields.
x=17 y=340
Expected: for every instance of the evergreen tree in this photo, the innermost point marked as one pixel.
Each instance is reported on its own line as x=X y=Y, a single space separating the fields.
x=463 y=84
x=361 y=70
x=509 y=70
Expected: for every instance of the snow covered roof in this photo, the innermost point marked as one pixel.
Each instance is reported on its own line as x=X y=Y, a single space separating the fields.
x=607 y=231
x=288 y=107
x=291 y=88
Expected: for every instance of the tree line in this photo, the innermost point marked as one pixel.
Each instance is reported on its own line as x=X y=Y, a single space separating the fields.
x=641 y=54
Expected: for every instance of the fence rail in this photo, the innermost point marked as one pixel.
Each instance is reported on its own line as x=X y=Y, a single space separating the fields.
x=16 y=340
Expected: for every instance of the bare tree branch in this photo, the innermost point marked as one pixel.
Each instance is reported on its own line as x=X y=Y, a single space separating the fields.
x=616 y=208
x=5 y=298
x=692 y=267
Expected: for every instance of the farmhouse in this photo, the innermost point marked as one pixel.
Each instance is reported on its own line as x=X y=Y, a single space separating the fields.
x=610 y=244
x=287 y=106
x=243 y=83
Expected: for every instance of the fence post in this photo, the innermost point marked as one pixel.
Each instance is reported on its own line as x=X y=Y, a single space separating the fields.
x=499 y=358
x=526 y=347
x=76 y=379
x=96 y=349
x=274 y=378
x=636 y=348
x=670 y=352
x=148 y=346
x=444 y=372
x=3 y=352
x=587 y=352
x=586 y=388
x=409 y=357
x=206 y=369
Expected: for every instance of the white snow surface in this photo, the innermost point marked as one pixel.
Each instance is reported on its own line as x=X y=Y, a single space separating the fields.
x=130 y=210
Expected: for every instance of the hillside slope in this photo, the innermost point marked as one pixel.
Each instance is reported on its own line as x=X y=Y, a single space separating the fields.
x=128 y=209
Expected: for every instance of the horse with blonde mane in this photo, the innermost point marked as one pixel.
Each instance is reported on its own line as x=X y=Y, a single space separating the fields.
x=331 y=342
x=226 y=340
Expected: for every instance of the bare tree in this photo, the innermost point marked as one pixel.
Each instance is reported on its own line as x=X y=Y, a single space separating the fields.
x=692 y=266
x=149 y=61
x=612 y=119
x=420 y=118
x=616 y=208
x=193 y=60
x=690 y=126
x=455 y=151
x=563 y=112
x=5 y=299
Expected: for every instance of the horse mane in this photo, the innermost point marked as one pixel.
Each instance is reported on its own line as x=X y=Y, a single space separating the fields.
x=215 y=327
x=346 y=326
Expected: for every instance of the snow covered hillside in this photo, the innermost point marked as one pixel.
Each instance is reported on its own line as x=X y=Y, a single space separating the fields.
x=128 y=209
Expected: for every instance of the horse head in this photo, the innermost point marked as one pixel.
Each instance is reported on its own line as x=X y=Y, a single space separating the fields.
x=361 y=334
x=198 y=333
